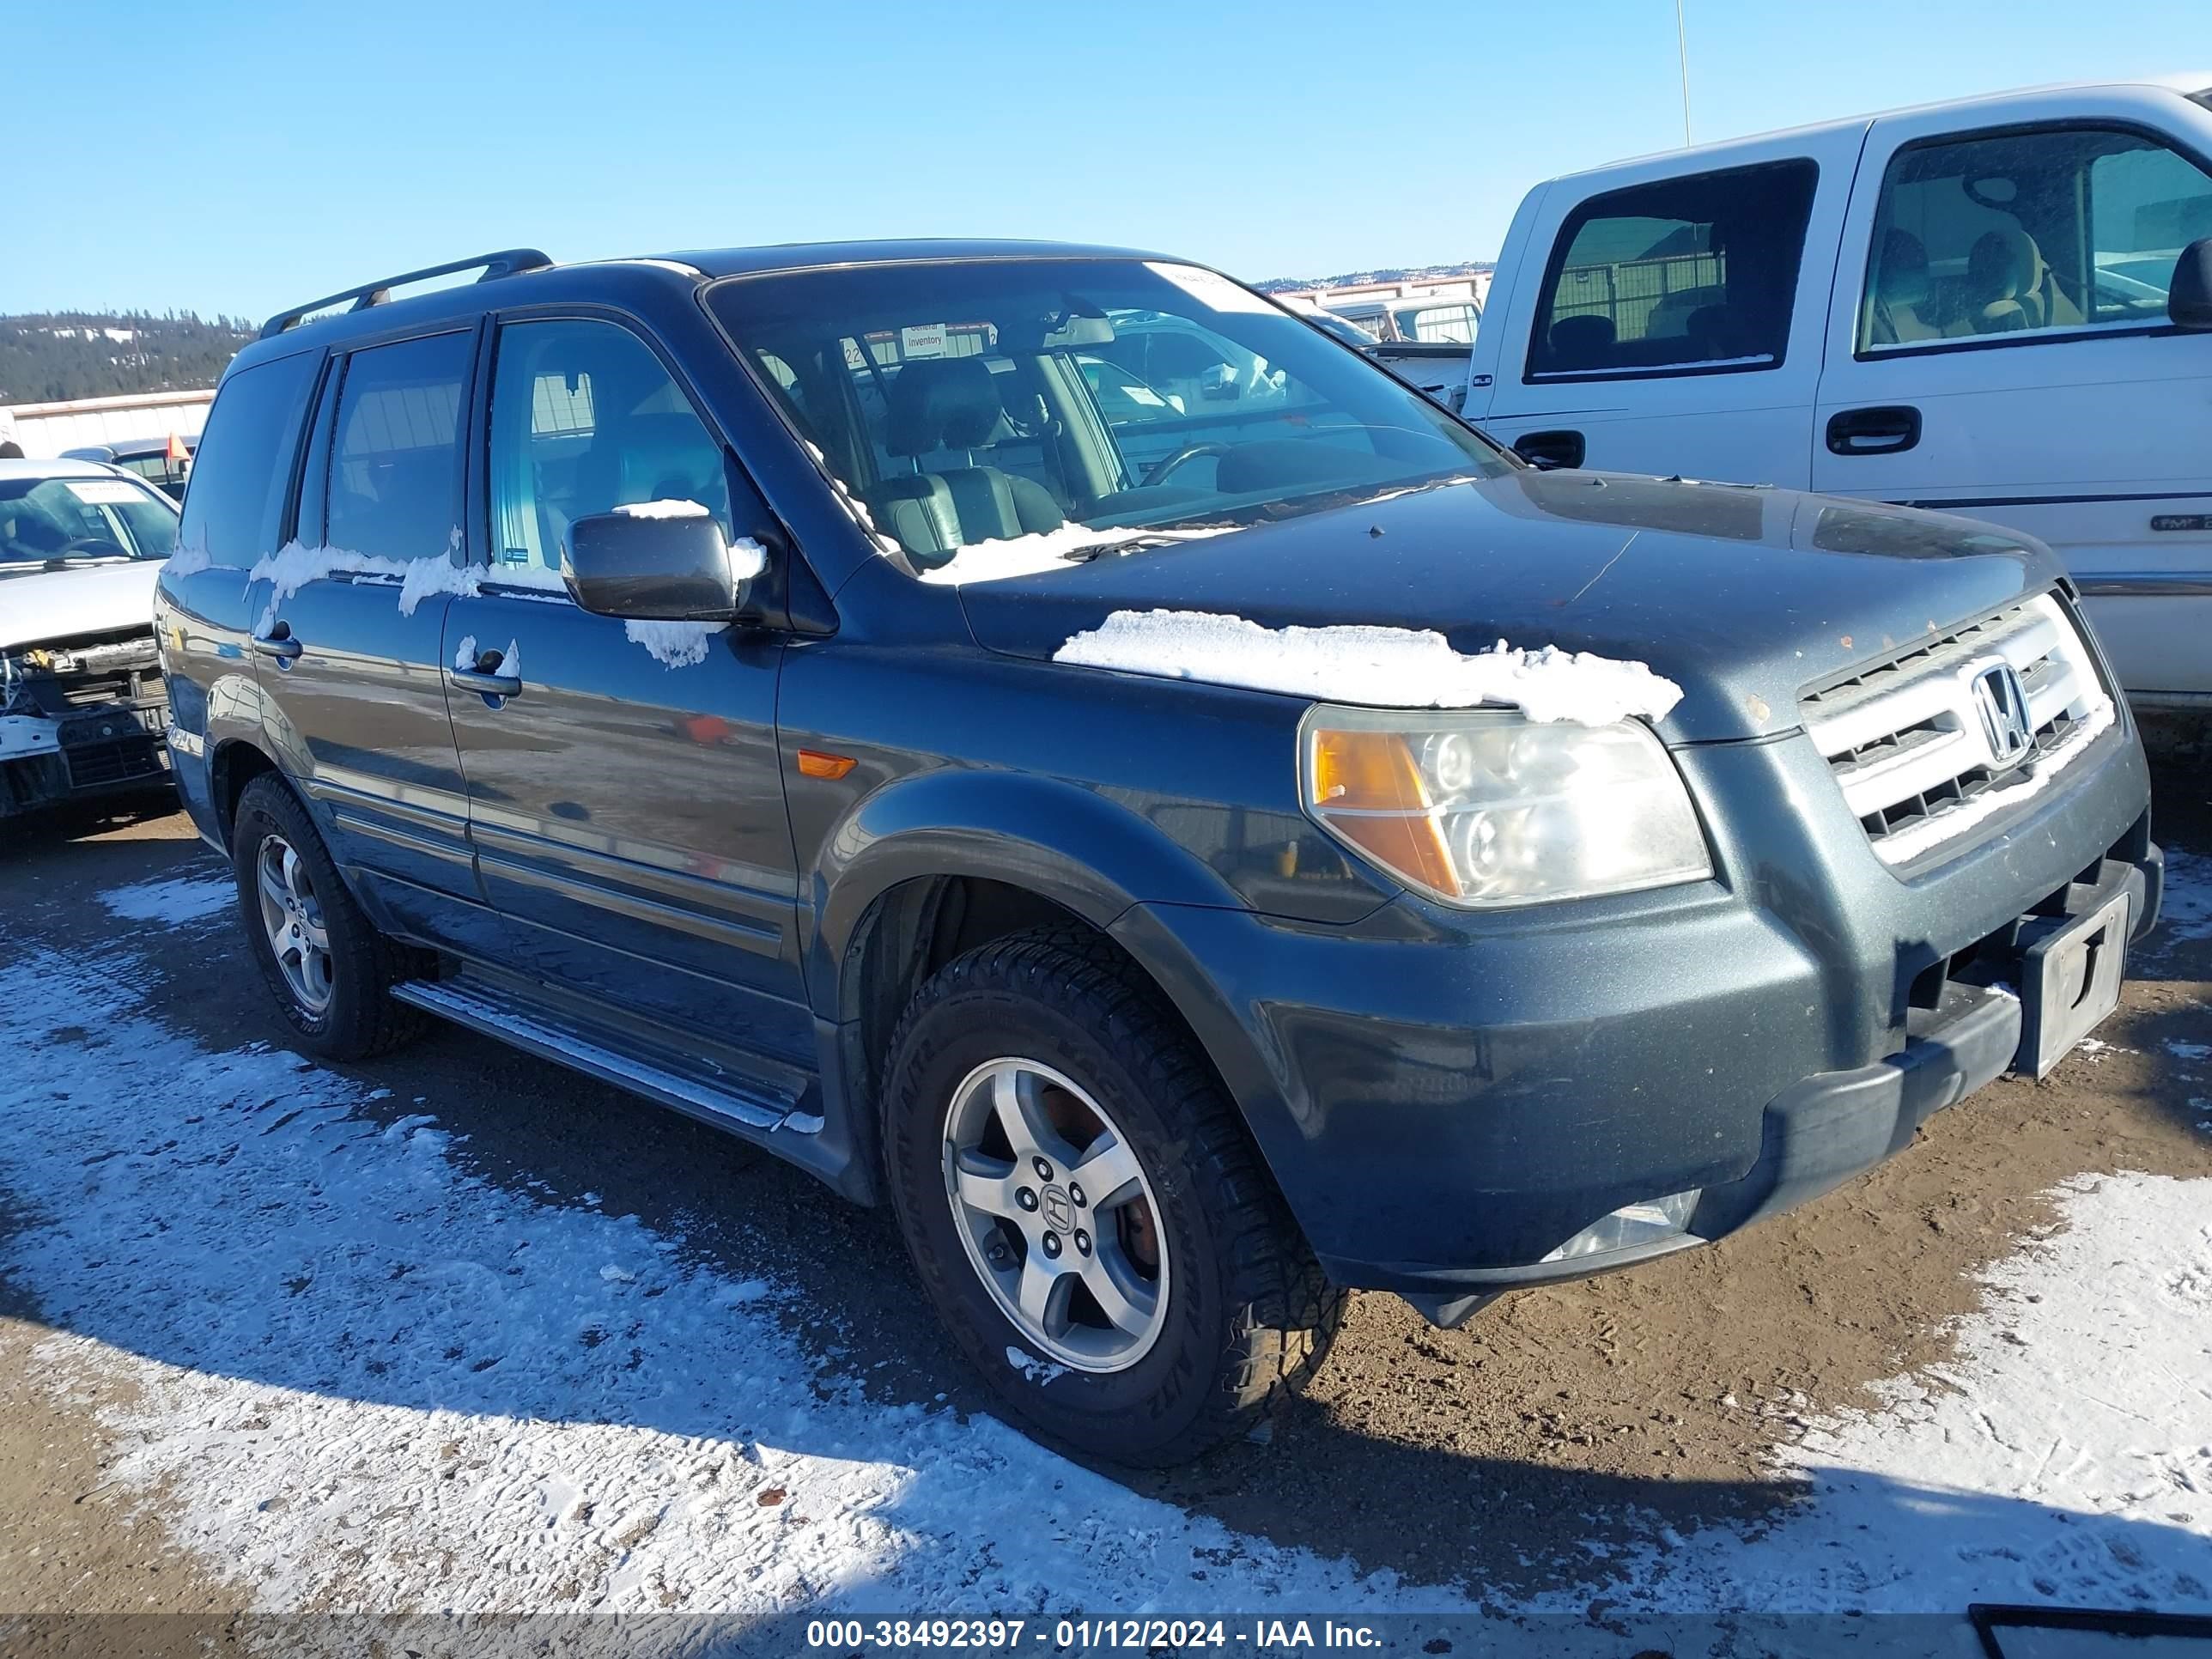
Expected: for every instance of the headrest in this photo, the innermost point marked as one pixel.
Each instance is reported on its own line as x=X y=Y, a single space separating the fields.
x=942 y=402
x=2003 y=264
x=1711 y=330
x=1579 y=342
x=1901 y=279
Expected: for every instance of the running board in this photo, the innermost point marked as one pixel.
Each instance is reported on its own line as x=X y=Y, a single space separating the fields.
x=529 y=1024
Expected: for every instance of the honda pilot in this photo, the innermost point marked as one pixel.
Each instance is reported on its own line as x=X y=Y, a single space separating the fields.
x=1188 y=857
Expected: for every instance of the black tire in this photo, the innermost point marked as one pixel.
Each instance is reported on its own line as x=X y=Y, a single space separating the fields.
x=1249 y=1312
x=362 y=1018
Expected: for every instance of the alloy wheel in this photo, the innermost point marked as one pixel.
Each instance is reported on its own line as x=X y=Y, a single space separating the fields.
x=1056 y=1215
x=292 y=915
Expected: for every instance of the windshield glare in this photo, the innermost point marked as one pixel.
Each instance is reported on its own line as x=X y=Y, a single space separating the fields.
x=989 y=400
x=46 y=520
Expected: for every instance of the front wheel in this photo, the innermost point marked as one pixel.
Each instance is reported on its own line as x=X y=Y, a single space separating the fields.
x=1085 y=1208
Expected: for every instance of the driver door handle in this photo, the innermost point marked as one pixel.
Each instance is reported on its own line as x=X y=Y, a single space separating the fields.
x=490 y=685
x=1883 y=429
x=1551 y=449
x=278 y=642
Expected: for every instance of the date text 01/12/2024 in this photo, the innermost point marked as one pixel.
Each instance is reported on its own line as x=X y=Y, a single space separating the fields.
x=1140 y=1635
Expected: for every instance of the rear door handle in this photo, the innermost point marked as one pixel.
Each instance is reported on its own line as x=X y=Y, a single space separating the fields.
x=278 y=642
x=1882 y=429
x=1551 y=449
x=491 y=685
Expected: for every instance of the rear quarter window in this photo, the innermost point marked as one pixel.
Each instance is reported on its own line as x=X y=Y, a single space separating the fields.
x=1689 y=276
x=242 y=470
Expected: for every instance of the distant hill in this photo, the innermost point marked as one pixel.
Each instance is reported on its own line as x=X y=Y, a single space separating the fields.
x=1388 y=274
x=49 y=358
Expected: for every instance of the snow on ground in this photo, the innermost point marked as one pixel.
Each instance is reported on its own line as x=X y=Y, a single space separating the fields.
x=365 y=1377
x=2066 y=1455
x=173 y=901
x=357 y=1365
x=1387 y=667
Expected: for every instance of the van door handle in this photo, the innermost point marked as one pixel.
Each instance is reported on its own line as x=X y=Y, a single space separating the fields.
x=1883 y=429
x=278 y=642
x=1549 y=449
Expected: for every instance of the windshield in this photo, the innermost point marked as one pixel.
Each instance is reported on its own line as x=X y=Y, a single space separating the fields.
x=1343 y=327
x=1072 y=404
x=46 y=521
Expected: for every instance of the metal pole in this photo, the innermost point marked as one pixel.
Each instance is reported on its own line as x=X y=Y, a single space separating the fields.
x=1682 y=52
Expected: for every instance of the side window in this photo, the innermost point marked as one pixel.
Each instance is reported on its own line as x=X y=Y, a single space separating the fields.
x=584 y=419
x=243 y=466
x=395 y=460
x=2056 y=231
x=1452 y=323
x=1696 y=275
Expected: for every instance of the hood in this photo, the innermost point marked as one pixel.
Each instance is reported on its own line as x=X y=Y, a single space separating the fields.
x=40 y=605
x=1741 y=596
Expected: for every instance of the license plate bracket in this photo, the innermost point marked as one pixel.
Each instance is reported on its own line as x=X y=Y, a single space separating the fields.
x=2070 y=973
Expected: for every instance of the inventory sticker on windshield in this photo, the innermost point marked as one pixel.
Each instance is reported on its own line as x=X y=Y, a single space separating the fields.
x=924 y=340
x=1210 y=289
x=103 y=492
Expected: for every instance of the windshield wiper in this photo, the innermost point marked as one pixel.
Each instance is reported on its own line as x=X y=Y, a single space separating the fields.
x=78 y=561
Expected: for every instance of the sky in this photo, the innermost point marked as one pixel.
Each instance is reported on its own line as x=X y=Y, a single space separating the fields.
x=254 y=155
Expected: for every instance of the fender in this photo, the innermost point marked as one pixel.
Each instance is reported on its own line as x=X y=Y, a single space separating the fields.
x=1083 y=850
x=207 y=729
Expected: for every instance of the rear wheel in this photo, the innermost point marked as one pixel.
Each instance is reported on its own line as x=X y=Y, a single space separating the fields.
x=329 y=969
x=1085 y=1208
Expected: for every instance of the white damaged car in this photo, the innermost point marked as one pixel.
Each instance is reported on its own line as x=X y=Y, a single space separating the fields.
x=82 y=709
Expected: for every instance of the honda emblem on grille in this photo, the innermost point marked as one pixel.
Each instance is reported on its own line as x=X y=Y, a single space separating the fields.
x=2001 y=701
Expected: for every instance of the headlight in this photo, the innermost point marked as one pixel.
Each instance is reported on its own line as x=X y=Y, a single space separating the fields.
x=1489 y=808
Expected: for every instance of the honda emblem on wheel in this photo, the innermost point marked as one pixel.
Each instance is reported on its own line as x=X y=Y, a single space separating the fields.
x=2001 y=701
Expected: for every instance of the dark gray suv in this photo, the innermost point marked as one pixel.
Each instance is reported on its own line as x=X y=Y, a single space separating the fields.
x=1115 y=835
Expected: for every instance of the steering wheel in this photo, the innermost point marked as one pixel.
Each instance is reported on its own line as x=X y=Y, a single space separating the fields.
x=1158 y=472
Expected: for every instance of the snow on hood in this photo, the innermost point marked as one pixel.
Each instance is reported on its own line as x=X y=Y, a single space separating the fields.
x=1385 y=667
x=61 y=604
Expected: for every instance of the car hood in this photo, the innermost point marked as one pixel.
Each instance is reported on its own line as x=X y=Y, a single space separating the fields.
x=1740 y=596
x=41 y=606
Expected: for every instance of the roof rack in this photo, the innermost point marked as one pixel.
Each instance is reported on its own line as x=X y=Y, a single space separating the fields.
x=506 y=263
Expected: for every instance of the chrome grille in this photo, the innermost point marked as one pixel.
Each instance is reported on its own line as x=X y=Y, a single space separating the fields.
x=1910 y=750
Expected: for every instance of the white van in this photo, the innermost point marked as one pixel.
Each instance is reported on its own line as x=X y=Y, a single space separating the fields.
x=2000 y=307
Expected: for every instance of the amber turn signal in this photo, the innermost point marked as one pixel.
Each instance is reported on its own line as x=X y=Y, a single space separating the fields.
x=818 y=763
x=1368 y=786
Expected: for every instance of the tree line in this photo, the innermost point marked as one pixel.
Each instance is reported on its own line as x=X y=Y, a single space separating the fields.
x=55 y=357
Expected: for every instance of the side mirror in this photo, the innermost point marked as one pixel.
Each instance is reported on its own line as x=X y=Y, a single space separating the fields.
x=2188 y=298
x=658 y=560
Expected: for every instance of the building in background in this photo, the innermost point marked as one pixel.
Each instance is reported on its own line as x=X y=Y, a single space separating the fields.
x=47 y=429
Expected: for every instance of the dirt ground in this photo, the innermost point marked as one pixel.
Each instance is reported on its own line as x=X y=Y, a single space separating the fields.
x=1663 y=1388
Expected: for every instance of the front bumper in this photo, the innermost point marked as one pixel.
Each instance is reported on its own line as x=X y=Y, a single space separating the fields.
x=1827 y=1128
x=1445 y=1101
x=84 y=755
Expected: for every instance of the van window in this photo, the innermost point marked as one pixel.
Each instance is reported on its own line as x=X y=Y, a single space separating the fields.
x=1685 y=275
x=395 y=465
x=584 y=418
x=243 y=466
x=2064 y=230
x=1452 y=325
